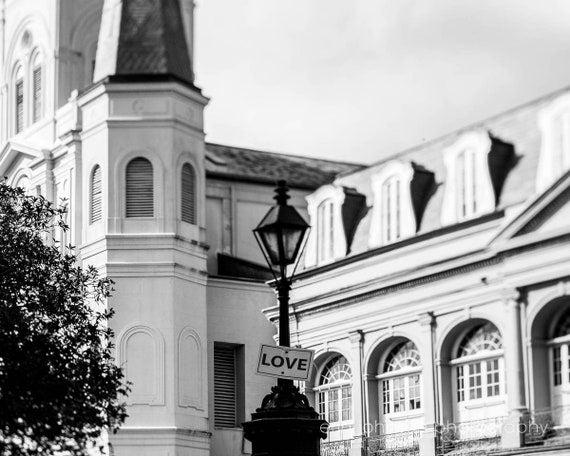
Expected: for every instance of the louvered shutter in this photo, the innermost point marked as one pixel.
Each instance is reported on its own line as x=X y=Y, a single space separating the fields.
x=19 y=105
x=140 y=188
x=188 y=206
x=37 y=82
x=96 y=195
x=224 y=386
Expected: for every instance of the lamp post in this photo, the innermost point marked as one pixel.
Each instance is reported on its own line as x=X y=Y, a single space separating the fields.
x=285 y=424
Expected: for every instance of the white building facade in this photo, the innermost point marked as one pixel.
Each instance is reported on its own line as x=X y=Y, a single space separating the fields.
x=443 y=301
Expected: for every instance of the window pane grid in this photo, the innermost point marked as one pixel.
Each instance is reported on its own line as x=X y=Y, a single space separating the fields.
x=322 y=406
x=386 y=396
x=475 y=381
x=346 y=403
x=399 y=395
x=493 y=379
x=414 y=400
x=460 y=384
x=483 y=379
x=333 y=406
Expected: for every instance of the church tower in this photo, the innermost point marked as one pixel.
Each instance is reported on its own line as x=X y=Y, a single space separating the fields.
x=143 y=218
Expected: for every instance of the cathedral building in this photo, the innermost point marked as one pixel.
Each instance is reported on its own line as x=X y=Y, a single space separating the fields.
x=434 y=287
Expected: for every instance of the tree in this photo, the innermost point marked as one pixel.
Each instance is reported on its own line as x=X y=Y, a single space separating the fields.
x=59 y=386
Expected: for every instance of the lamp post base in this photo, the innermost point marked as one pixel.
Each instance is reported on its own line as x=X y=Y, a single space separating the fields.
x=285 y=425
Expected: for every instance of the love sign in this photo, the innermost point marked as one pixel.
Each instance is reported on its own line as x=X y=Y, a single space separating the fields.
x=285 y=362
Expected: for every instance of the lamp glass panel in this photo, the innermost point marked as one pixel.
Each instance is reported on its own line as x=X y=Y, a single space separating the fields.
x=292 y=238
x=271 y=242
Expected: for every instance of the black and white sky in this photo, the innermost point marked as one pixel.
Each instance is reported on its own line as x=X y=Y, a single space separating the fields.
x=357 y=80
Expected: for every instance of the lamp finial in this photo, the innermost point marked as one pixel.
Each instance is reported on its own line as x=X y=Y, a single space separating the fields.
x=282 y=194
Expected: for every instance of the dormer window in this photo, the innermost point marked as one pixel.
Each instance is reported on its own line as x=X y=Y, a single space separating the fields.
x=393 y=216
x=325 y=230
x=327 y=240
x=466 y=183
x=391 y=209
x=469 y=189
x=554 y=123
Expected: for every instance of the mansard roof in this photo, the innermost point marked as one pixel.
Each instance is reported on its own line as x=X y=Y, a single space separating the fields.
x=142 y=38
x=517 y=127
x=236 y=163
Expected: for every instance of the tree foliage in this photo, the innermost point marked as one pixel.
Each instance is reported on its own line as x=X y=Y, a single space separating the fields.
x=59 y=386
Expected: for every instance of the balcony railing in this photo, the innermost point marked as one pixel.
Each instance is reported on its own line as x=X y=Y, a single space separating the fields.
x=405 y=443
x=397 y=444
x=547 y=427
x=470 y=437
x=337 y=448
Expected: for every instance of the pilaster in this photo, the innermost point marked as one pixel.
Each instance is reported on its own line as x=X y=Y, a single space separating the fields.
x=512 y=437
x=428 y=436
x=356 y=346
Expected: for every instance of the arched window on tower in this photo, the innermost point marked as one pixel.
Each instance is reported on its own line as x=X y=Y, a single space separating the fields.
x=480 y=374
x=139 y=188
x=96 y=195
x=188 y=197
x=334 y=392
x=19 y=100
x=37 y=88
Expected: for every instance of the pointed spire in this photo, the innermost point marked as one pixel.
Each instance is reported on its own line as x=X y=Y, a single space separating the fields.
x=141 y=38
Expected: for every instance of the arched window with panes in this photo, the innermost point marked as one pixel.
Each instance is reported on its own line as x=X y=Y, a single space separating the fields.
x=325 y=230
x=95 y=195
x=400 y=388
x=188 y=196
x=334 y=397
x=479 y=373
x=139 y=188
x=559 y=353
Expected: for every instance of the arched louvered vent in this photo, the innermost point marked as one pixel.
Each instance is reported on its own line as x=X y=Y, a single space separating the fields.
x=140 y=188
x=188 y=206
x=96 y=192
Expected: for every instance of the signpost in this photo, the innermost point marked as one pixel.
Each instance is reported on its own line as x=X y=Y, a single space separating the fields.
x=285 y=362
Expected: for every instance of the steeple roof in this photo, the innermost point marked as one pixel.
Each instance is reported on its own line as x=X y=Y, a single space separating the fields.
x=142 y=38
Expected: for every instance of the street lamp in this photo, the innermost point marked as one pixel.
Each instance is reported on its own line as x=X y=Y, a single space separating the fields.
x=280 y=236
x=285 y=424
